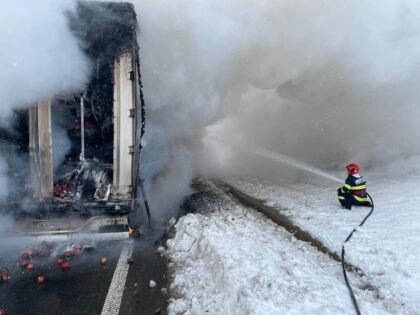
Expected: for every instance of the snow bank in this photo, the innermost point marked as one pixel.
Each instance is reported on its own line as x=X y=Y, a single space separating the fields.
x=387 y=248
x=233 y=260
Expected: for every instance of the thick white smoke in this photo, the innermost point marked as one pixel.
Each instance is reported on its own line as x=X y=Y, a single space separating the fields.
x=4 y=184
x=326 y=82
x=39 y=56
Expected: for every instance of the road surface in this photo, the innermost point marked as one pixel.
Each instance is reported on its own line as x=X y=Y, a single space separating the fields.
x=85 y=287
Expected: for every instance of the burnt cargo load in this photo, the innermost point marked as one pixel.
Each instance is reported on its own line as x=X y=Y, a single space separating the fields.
x=73 y=160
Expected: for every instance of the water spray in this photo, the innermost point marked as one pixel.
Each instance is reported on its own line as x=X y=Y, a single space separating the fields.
x=277 y=157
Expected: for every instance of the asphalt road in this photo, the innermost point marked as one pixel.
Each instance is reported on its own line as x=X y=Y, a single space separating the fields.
x=84 y=288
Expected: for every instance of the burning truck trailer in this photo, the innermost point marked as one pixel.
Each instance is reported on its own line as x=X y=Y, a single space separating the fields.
x=89 y=188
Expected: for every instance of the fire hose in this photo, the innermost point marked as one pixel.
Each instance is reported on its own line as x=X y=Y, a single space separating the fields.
x=343 y=261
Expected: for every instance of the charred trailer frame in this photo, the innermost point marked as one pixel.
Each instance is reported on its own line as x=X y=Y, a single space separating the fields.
x=95 y=187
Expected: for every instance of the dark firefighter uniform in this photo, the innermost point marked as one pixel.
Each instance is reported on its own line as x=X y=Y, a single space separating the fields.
x=353 y=193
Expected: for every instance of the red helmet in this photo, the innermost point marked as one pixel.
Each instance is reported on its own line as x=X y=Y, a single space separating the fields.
x=352 y=168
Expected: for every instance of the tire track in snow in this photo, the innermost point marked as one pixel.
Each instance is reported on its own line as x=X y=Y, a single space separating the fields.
x=289 y=226
x=285 y=222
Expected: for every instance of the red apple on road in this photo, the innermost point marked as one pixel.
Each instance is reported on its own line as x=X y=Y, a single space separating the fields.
x=2 y=311
x=103 y=261
x=40 y=280
x=65 y=266
x=30 y=266
x=5 y=274
x=24 y=263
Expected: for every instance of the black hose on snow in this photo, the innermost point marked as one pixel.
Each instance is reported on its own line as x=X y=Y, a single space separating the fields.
x=343 y=261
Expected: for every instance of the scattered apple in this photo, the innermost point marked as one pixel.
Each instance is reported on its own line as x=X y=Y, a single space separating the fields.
x=24 y=263
x=5 y=274
x=65 y=266
x=40 y=280
x=130 y=260
x=103 y=261
x=30 y=266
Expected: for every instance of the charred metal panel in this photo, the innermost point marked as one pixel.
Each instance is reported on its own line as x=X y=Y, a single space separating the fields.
x=104 y=178
x=124 y=129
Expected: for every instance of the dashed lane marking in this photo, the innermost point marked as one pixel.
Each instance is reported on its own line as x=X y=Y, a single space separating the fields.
x=116 y=289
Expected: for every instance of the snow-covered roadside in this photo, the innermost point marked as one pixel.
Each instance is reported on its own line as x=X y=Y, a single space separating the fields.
x=387 y=248
x=231 y=260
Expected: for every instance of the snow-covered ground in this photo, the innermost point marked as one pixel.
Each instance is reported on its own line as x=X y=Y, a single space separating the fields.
x=228 y=259
x=386 y=248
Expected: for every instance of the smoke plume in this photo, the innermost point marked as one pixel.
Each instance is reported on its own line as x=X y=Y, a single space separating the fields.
x=325 y=82
x=39 y=56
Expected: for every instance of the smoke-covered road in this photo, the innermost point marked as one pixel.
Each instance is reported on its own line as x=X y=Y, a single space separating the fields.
x=84 y=288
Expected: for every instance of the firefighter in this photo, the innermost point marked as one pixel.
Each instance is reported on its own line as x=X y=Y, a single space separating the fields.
x=353 y=193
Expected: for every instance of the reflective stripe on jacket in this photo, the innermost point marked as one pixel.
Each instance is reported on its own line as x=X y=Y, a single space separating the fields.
x=356 y=185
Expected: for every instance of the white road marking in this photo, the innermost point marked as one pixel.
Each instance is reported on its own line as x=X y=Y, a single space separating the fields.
x=116 y=289
x=76 y=237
